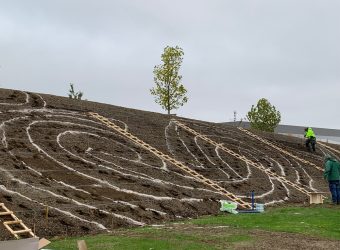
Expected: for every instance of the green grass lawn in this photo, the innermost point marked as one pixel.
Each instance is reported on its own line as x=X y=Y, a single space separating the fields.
x=204 y=233
x=151 y=239
x=321 y=221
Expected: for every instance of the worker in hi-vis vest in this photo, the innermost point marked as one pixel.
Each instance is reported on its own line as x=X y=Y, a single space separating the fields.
x=310 y=139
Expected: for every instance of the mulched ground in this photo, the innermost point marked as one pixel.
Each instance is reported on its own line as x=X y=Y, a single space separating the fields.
x=64 y=173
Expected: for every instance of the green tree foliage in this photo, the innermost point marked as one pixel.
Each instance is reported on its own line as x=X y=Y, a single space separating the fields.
x=74 y=95
x=264 y=116
x=169 y=92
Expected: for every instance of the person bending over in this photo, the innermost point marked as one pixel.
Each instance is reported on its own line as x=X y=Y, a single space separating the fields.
x=310 y=139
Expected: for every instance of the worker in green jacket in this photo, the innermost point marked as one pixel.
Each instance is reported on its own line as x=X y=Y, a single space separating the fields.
x=310 y=139
x=332 y=175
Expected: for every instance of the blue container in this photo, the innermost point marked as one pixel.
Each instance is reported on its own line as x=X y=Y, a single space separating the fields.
x=259 y=207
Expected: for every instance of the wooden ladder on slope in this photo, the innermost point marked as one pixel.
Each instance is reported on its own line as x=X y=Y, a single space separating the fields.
x=165 y=157
x=14 y=222
x=279 y=149
x=243 y=158
x=329 y=147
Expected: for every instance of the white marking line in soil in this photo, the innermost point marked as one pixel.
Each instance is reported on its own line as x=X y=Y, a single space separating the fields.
x=42 y=100
x=25 y=184
x=256 y=196
x=205 y=155
x=100 y=226
x=166 y=132
x=297 y=177
x=156 y=211
x=280 y=167
x=242 y=178
x=2 y=127
x=303 y=170
x=299 y=166
x=139 y=160
x=136 y=175
x=225 y=163
x=164 y=167
x=72 y=187
x=105 y=183
x=126 y=128
x=122 y=202
x=191 y=200
x=220 y=169
x=277 y=164
x=328 y=152
x=200 y=165
x=270 y=180
x=330 y=149
x=32 y=169
x=85 y=175
x=310 y=182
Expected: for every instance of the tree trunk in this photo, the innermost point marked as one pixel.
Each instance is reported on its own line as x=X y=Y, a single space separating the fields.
x=168 y=99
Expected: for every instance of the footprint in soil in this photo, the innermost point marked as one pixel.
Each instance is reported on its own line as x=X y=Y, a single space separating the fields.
x=65 y=223
x=23 y=206
x=80 y=212
x=103 y=172
x=8 y=198
x=99 y=214
x=86 y=229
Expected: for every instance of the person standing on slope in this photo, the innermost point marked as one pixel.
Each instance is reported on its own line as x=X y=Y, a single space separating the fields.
x=310 y=139
x=332 y=175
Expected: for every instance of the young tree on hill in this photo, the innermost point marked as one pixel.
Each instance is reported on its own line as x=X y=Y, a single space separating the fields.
x=264 y=116
x=74 y=95
x=169 y=92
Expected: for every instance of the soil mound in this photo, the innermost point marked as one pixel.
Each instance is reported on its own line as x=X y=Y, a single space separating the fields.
x=92 y=179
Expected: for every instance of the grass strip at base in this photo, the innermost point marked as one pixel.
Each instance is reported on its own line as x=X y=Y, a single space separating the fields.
x=204 y=233
x=107 y=242
x=319 y=221
x=151 y=238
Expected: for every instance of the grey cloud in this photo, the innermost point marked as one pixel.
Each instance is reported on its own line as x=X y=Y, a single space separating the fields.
x=235 y=53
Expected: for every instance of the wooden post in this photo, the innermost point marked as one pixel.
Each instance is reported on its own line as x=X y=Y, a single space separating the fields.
x=46 y=214
x=81 y=245
x=316 y=197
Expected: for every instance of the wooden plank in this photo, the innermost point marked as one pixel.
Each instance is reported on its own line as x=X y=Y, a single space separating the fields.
x=43 y=243
x=81 y=245
x=280 y=149
x=13 y=222
x=241 y=157
x=329 y=147
x=22 y=231
x=6 y=213
x=161 y=155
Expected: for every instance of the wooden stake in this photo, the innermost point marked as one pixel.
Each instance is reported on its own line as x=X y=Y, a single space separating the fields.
x=46 y=214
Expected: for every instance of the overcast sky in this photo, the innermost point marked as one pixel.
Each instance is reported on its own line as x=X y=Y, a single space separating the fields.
x=235 y=53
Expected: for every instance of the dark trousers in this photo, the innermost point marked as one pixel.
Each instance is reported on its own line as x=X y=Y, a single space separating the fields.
x=310 y=143
x=334 y=187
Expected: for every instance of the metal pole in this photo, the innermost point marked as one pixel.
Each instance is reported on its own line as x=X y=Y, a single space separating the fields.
x=252 y=200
